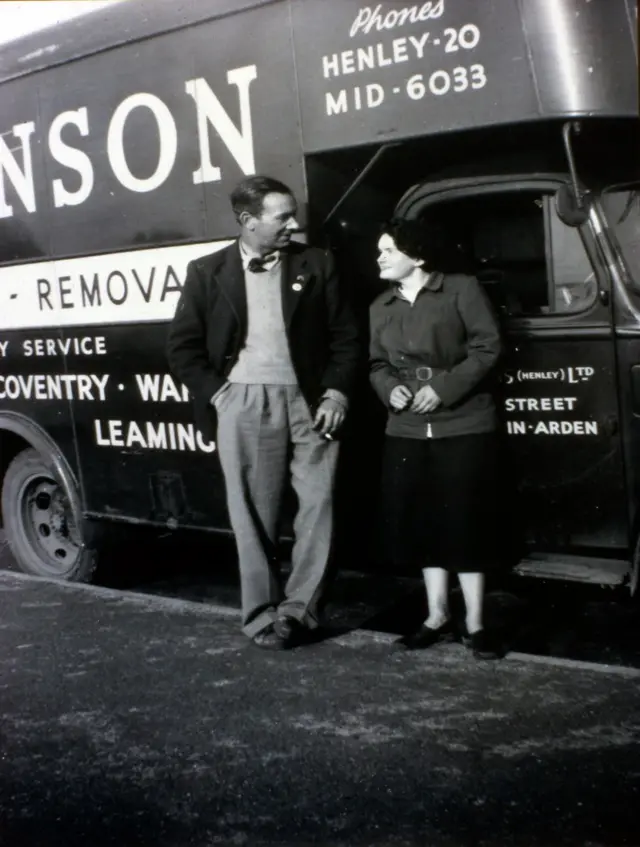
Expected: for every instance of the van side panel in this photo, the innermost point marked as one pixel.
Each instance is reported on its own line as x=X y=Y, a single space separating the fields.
x=117 y=139
x=120 y=178
x=388 y=71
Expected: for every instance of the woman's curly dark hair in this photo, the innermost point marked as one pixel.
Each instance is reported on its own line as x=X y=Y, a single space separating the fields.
x=419 y=239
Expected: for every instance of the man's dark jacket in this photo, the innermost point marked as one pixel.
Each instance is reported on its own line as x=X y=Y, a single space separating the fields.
x=210 y=326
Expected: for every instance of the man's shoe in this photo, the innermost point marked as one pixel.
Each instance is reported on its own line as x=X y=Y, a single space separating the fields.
x=290 y=631
x=268 y=639
x=425 y=637
x=483 y=645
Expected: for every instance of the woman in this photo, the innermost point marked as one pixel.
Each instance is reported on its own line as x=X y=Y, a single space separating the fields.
x=434 y=345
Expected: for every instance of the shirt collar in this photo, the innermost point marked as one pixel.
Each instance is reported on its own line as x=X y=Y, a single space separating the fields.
x=433 y=283
x=246 y=255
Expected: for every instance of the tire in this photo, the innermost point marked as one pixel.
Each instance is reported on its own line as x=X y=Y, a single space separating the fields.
x=39 y=524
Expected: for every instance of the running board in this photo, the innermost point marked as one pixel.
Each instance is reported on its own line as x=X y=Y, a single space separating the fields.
x=574 y=568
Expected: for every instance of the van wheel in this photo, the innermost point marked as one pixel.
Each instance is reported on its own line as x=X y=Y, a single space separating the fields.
x=39 y=523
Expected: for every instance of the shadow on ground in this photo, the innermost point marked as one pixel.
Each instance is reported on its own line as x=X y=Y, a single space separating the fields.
x=556 y=619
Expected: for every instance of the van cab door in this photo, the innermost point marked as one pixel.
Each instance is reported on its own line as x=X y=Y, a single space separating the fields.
x=559 y=399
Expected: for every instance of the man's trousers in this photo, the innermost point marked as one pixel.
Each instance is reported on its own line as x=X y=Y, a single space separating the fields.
x=265 y=437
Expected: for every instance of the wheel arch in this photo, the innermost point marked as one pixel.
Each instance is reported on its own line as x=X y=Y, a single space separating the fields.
x=18 y=432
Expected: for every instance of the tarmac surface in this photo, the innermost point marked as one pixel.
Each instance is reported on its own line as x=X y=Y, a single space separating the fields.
x=131 y=719
x=544 y=618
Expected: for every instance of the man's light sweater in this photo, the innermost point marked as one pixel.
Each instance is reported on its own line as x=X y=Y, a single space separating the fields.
x=265 y=358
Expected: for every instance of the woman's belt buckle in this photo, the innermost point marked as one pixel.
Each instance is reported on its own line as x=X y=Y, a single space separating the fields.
x=424 y=373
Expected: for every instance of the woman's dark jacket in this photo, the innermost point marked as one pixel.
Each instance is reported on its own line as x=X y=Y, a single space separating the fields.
x=448 y=337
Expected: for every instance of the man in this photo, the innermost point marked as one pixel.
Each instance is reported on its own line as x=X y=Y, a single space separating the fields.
x=265 y=342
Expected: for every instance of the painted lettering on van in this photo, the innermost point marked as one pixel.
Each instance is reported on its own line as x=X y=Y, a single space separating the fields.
x=369 y=18
x=54 y=387
x=151 y=435
x=86 y=345
x=553 y=428
x=573 y=374
x=113 y=288
x=16 y=161
x=161 y=388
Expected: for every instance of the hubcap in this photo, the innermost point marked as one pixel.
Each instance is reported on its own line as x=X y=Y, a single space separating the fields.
x=48 y=525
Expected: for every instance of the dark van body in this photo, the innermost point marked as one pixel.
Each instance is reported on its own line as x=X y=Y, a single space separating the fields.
x=121 y=136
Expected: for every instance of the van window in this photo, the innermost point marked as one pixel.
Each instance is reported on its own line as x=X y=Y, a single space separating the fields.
x=573 y=278
x=622 y=209
x=530 y=262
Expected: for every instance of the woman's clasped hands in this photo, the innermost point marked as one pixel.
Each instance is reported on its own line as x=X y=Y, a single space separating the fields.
x=423 y=401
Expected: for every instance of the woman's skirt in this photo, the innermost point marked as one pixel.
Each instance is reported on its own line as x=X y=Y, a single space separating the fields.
x=439 y=501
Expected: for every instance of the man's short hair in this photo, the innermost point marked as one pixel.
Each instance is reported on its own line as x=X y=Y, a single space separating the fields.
x=248 y=195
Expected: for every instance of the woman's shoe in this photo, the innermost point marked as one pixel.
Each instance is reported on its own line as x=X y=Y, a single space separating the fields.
x=425 y=637
x=483 y=645
x=462 y=635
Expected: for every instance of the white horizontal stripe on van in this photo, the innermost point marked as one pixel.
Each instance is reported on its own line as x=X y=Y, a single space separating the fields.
x=138 y=286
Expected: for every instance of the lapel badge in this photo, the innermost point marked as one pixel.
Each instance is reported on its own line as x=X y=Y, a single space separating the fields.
x=297 y=285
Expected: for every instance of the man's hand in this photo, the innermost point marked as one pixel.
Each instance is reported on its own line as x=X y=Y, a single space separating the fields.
x=400 y=398
x=329 y=417
x=219 y=394
x=425 y=400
